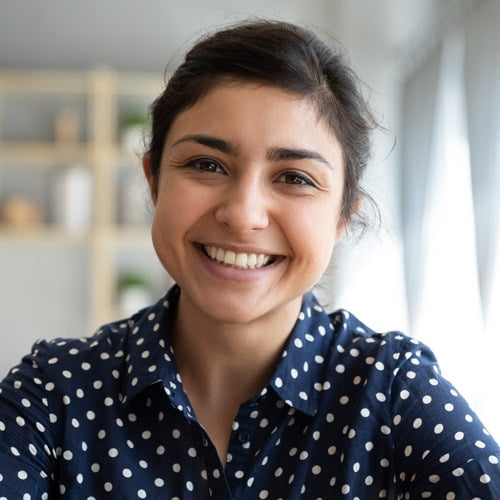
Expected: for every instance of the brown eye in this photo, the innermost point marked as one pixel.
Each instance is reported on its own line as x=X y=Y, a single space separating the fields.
x=295 y=178
x=206 y=165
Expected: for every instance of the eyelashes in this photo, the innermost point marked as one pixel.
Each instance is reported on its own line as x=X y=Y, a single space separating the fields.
x=296 y=179
x=208 y=165
x=289 y=177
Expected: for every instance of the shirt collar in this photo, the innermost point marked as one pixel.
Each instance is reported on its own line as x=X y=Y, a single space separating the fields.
x=150 y=354
x=299 y=378
x=301 y=374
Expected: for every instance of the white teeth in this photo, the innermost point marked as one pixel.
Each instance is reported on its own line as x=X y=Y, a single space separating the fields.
x=240 y=260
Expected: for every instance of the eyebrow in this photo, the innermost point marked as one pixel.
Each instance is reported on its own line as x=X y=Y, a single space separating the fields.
x=211 y=142
x=274 y=154
x=283 y=154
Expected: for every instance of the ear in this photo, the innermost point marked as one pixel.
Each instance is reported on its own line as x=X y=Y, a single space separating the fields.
x=146 y=167
x=343 y=222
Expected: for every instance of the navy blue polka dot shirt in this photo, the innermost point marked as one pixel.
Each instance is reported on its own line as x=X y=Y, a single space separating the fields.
x=348 y=413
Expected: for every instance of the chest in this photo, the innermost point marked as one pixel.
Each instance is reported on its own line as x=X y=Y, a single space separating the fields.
x=154 y=450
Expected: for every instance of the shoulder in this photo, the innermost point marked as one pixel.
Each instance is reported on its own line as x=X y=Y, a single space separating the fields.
x=393 y=348
x=70 y=361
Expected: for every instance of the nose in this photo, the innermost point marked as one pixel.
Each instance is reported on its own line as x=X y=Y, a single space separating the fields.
x=244 y=207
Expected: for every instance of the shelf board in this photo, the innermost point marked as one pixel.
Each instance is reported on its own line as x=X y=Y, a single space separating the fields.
x=41 y=235
x=40 y=82
x=41 y=152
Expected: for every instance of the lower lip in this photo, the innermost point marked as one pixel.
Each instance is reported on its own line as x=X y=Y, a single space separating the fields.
x=232 y=273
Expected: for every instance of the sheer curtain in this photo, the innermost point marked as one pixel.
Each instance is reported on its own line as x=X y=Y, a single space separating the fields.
x=450 y=162
x=482 y=77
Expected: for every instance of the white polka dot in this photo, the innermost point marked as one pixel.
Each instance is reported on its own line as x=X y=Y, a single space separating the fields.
x=485 y=479
x=316 y=469
x=404 y=394
x=438 y=428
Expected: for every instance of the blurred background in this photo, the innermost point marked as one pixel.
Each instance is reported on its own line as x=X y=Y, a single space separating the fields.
x=76 y=80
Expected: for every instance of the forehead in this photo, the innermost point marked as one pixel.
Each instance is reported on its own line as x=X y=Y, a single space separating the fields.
x=248 y=110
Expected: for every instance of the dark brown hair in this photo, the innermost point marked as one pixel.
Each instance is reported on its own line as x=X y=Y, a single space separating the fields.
x=280 y=55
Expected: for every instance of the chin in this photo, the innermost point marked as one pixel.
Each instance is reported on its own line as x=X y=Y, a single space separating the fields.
x=232 y=314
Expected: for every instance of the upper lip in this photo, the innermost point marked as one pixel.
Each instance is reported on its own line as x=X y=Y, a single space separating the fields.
x=239 y=248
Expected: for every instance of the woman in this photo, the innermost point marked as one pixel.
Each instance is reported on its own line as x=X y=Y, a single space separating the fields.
x=237 y=384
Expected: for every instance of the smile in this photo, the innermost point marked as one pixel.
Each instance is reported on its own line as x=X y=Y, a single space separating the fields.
x=237 y=259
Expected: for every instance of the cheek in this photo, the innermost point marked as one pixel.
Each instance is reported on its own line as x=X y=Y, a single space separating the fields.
x=177 y=210
x=321 y=221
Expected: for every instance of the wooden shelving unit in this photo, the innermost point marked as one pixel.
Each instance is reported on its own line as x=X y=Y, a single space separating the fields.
x=97 y=99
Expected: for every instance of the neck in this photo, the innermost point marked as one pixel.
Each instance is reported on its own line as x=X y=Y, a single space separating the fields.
x=222 y=364
x=219 y=357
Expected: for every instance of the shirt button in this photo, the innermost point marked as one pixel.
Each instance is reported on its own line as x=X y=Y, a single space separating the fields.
x=243 y=437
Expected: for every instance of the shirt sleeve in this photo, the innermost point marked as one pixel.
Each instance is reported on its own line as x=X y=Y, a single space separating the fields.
x=442 y=449
x=26 y=444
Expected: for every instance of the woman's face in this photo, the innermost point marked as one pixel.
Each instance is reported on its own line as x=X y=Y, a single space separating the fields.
x=248 y=201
